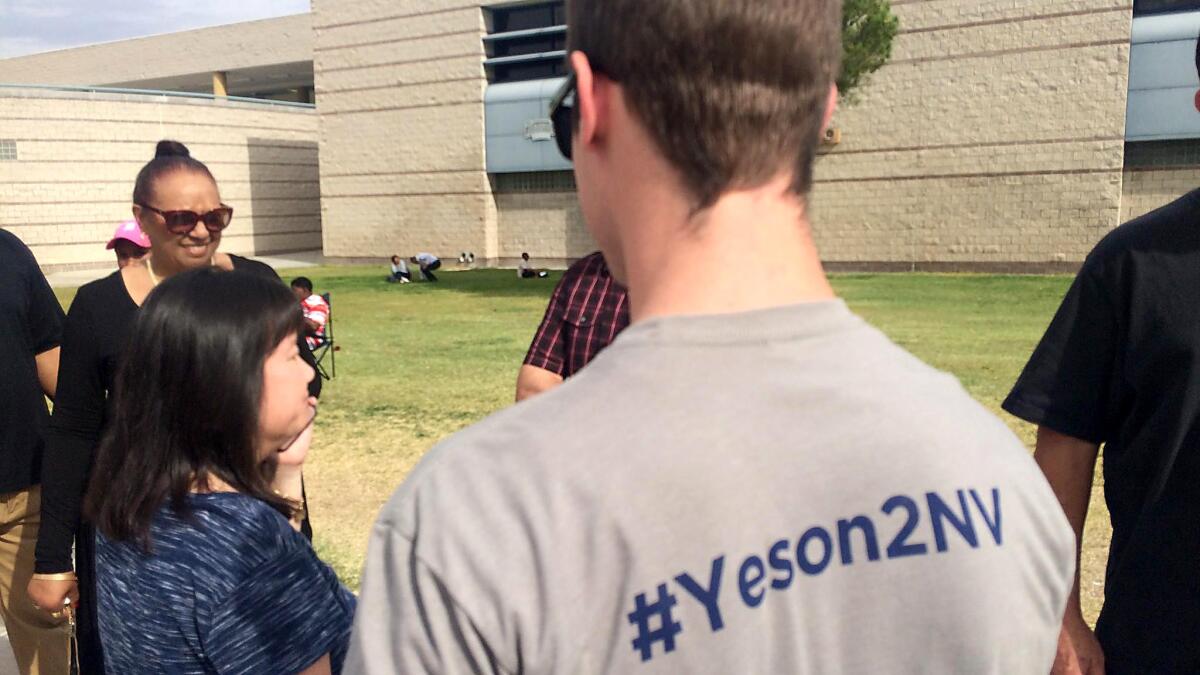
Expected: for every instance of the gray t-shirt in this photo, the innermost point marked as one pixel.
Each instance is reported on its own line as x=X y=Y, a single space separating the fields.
x=781 y=491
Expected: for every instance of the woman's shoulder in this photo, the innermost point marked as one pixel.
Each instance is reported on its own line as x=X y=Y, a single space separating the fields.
x=260 y=269
x=243 y=525
x=106 y=295
x=110 y=285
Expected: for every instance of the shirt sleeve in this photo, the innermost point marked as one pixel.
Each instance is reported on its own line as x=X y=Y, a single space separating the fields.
x=1067 y=383
x=288 y=614
x=409 y=620
x=71 y=438
x=547 y=351
x=45 y=315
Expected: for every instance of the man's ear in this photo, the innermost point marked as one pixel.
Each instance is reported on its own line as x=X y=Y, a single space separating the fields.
x=592 y=98
x=830 y=107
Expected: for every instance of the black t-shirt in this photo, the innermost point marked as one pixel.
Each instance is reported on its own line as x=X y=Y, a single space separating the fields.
x=95 y=337
x=1120 y=366
x=30 y=323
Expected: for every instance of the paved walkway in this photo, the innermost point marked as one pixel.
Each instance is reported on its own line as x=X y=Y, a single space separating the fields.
x=282 y=261
x=7 y=665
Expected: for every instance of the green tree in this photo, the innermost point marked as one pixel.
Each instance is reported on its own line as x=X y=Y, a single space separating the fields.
x=868 y=29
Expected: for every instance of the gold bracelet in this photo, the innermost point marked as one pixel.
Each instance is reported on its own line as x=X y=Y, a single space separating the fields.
x=299 y=513
x=64 y=576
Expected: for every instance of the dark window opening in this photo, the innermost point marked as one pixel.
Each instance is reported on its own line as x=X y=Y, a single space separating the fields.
x=1143 y=7
x=501 y=45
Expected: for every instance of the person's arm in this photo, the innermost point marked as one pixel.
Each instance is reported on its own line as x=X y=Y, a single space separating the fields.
x=46 y=320
x=1069 y=464
x=321 y=667
x=289 y=475
x=289 y=615
x=532 y=380
x=1071 y=390
x=71 y=440
x=47 y=370
x=545 y=363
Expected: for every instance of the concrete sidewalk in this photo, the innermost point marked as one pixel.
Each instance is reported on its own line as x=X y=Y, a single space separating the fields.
x=281 y=261
x=8 y=666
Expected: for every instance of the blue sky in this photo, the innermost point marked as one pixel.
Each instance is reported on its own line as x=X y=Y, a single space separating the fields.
x=30 y=26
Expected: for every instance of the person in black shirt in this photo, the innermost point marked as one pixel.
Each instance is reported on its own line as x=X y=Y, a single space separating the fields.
x=30 y=334
x=1119 y=366
x=178 y=206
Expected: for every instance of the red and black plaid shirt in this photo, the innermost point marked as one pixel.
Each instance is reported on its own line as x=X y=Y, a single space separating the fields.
x=586 y=312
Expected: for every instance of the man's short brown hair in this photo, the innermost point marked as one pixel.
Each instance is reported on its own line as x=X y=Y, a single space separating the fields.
x=732 y=91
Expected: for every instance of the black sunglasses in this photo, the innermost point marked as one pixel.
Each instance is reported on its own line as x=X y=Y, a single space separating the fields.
x=562 y=115
x=182 y=222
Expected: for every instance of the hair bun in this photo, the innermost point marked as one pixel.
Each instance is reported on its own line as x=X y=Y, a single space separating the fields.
x=171 y=149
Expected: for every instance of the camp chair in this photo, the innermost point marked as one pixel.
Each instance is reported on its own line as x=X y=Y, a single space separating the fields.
x=326 y=347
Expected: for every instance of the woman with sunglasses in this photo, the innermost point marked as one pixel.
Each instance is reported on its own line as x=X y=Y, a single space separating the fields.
x=195 y=494
x=178 y=206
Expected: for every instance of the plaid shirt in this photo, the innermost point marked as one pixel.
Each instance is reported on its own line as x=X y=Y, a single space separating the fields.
x=586 y=312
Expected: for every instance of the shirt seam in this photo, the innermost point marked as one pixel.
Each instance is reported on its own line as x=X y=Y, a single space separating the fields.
x=449 y=593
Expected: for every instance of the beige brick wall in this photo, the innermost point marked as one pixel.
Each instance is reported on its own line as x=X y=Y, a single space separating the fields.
x=249 y=44
x=1158 y=173
x=547 y=225
x=400 y=89
x=994 y=136
x=78 y=156
x=1147 y=189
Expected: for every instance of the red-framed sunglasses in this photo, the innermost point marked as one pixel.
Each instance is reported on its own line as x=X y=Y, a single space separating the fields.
x=182 y=222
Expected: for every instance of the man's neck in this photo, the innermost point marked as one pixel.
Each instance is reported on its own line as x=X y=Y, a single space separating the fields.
x=751 y=250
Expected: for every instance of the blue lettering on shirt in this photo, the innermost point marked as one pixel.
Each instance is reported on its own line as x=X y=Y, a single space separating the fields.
x=857 y=542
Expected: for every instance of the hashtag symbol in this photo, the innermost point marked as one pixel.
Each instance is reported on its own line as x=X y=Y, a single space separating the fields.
x=667 y=629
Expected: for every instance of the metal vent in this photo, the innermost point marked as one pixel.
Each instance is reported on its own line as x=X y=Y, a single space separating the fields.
x=8 y=150
x=526 y=42
x=540 y=181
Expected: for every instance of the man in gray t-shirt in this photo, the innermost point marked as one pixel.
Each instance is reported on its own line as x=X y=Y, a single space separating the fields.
x=750 y=479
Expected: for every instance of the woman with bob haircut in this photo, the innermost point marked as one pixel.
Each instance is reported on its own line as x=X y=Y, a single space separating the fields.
x=195 y=494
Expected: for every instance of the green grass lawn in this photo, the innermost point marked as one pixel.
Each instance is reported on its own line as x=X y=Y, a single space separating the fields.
x=420 y=361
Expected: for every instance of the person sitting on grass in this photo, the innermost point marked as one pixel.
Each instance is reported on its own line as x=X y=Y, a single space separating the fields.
x=196 y=492
x=428 y=263
x=400 y=273
x=525 y=269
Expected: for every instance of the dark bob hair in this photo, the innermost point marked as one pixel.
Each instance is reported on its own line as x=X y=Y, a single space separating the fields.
x=186 y=400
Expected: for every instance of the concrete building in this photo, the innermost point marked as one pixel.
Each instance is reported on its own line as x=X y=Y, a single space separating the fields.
x=995 y=138
x=68 y=157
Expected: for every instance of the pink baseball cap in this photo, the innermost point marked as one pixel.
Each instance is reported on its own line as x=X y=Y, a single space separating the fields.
x=129 y=231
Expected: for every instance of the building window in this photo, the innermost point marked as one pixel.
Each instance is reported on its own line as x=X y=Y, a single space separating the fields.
x=8 y=150
x=526 y=41
x=527 y=17
x=1142 y=7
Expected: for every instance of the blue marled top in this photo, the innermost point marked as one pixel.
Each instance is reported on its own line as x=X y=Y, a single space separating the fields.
x=232 y=589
